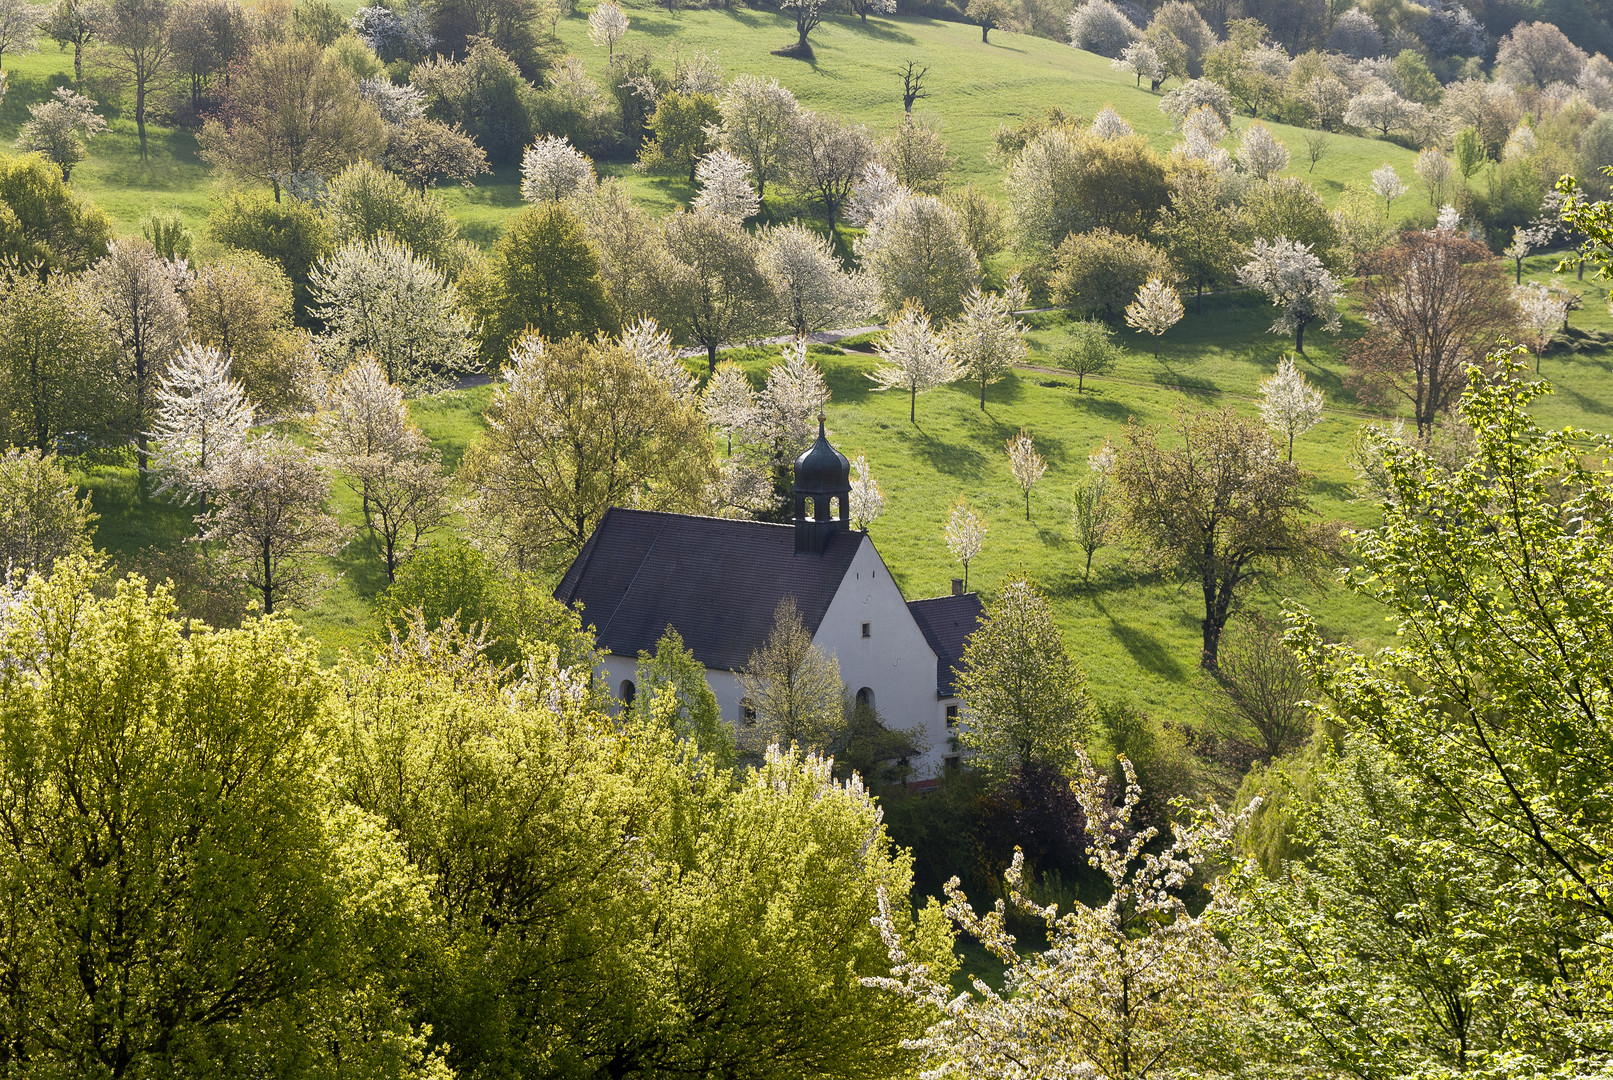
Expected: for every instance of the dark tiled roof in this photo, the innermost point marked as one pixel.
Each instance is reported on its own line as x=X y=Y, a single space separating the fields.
x=717 y=581
x=947 y=621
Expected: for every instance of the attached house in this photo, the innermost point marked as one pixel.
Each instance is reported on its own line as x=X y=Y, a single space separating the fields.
x=718 y=582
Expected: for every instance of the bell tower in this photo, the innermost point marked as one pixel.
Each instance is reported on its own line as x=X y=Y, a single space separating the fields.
x=822 y=478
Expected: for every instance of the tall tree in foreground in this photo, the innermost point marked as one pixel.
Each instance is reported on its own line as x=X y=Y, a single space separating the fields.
x=1436 y=302
x=913 y=358
x=1128 y=990
x=1222 y=509
x=1502 y=640
x=1024 y=700
x=1289 y=406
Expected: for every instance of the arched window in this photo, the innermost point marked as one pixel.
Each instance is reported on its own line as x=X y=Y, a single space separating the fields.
x=865 y=696
x=628 y=693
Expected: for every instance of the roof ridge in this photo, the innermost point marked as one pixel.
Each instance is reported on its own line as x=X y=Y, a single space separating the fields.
x=702 y=517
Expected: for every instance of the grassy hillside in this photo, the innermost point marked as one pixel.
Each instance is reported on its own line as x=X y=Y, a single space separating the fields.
x=973 y=88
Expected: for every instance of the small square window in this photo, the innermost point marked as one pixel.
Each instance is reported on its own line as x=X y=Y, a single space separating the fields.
x=868 y=629
x=747 y=713
x=952 y=716
x=952 y=763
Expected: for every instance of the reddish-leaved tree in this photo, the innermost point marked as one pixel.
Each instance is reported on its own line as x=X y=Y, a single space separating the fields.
x=1436 y=302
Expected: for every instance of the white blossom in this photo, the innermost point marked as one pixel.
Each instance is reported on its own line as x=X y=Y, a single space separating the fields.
x=965 y=534
x=1288 y=403
x=1156 y=309
x=1099 y=26
x=787 y=408
x=203 y=416
x=986 y=339
x=1520 y=144
x=867 y=501
x=1436 y=170
x=1140 y=59
x=1542 y=311
x=725 y=187
x=606 y=25
x=913 y=357
x=1380 y=109
x=552 y=169
x=1109 y=124
x=728 y=402
x=1449 y=219
x=874 y=194
x=1261 y=153
x=814 y=291
x=1191 y=96
x=651 y=346
x=1387 y=184
x=1026 y=464
x=1294 y=279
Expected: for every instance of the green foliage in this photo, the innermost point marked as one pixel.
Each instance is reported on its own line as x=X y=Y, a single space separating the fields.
x=1104 y=269
x=1289 y=207
x=1090 y=349
x=364 y=201
x=690 y=709
x=544 y=276
x=168 y=861
x=454 y=583
x=1157 y=752
x=608 y=901
x=42 y=219
x=42 y=518
x=1510 y=199
x=1024 y=699
x=678 y=137
x=290 y=233
x=1469 y=152
x=58 y=375
x=168 y=235
x=485 y=95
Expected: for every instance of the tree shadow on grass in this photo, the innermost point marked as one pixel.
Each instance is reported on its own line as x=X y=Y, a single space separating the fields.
x=877 y=29
x=1342 y=490
x=947 y=457
x=1147 y=651
x=1103 y=408
x=1589 y=404
x=360 y=563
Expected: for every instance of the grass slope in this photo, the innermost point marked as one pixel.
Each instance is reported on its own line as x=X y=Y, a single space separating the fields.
x=973 y=88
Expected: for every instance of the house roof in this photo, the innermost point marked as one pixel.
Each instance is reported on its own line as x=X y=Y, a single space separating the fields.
x=717 y=581
x=947 y=622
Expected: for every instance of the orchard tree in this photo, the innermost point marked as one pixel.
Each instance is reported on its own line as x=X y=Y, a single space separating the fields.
x=423 y=151
x=725 y=187
x=363 y=201
x=1101 y=27
x=714 y=289
x=138 y=294
x=1260 y=153
x=986 y=339
x=241 y=305
x=680 y=131
x=1124 y=991
x=76 y=23
x=1437 y=302
x=1289 y=405
x=1024 y=699
x=552 y=169
x=574 y=428
x=916 y=156
x=139 y=52
x=793 y=687
x=813 y=291
x=1026 y=464
x=545 y=274
x=727 y=401
x=42 y=518
x=1105 y=269
x=913 y=357
x=20 y=23
x=291 y=111
x=916 y=252
x=988 y=14
x=758 y=121
x=1089 y=350
x=1435 y=169
x=1294 y=280
x=1538 y=54
x=1109 y=124
x=378 y=298
x=58 y=128
x=1094 y=514
x=965 y=534
x=607 y=24
x=1541 y=313
x=867 y=501
x=1198 y=231
x=1156 y=309
x=876 y=192
x=865 y=8
x=1387 y=185
x=826 y=156
x=1222 y=508
x=203 y=417
x=364 y=417
x=58 y=370
x=271 y=513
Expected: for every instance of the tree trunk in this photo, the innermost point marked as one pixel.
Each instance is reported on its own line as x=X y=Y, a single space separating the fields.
x=913 y=404
x=140 y=115
x=1027 y=505
x=1517 y=270
x=1199 y=300
x=711 y=357
x=1299 y=337
x=982 y=393
x=984 y=30
x=268 y=579
x=1290 y=448
x=78 y=62
x=1086 y=574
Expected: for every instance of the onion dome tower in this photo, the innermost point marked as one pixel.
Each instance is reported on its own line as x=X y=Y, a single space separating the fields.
x=822 y=474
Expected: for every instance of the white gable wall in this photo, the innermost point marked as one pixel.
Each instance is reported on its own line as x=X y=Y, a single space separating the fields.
x=895 y=661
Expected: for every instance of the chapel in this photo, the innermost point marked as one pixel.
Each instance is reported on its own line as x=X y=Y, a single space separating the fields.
x=719 y=581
